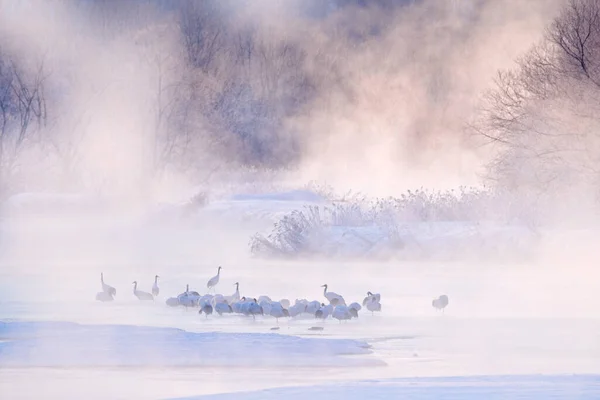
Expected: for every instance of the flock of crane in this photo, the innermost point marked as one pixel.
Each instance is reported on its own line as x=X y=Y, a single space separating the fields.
x=264 y=305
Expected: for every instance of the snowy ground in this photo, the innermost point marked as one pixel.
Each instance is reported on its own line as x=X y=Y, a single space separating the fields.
x=510 y=331
x=482 y=387
x=65 y=344
x=498 y=323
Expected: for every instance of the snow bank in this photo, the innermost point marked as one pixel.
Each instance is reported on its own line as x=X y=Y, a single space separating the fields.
x=304 y=196
x=65 y=344
x=418 y=241
x=266 y=207
x=469 y=223
x=464 y=388
x=302 y=223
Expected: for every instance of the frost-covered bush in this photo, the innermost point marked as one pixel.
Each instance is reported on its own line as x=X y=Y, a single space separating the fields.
x=418 y=224
x=294 y=234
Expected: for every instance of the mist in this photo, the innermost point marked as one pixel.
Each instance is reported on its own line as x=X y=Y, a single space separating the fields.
x=408 y=148
x=386 y=89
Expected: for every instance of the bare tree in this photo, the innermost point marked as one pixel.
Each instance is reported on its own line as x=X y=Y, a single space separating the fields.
x=576 y=33
x=23 y=110
x=543 y=115
x=7 y=101
x=31 y=102
x=203 y=33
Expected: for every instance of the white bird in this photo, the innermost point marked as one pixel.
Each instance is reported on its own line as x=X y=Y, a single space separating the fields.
x=312 y=307
x=140 y=294
x=264 y=298
x=206 y=299
x=188 y=298
x=212 y=282
x=324 y=312
x=223 y=308
x=371 y=296
x=319 y=312
x=266 y=306
x=218 y=298
x=297 y=309
x=334 y=298
x=172 y=302
x=237 y=306
x=354 y=309
x=188 y=301
x=285 y=303
x=202 y=301
x=189 y=292
x=104 y=296
x=341 y=313
x=245 y=306
x=155 y=289
x=207 y=309
x=107 y=288
x=440 y=303
x=373 y=305
x=187 y=289
x=277 y=311
x=207 y=296
x=254 y=309
x=235 y=296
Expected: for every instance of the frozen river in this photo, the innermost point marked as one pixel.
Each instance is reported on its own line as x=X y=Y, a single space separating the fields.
x=500 y=321
x=509 y=328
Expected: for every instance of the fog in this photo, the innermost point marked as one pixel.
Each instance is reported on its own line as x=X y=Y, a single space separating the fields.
x=397 y=100
x=154 y=138
x=414 y=88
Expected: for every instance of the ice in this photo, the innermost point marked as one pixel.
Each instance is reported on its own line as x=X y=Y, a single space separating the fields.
x=303 y=196
x=266 y=207
x=522 y=319
x=64 y=344
x=464 y=388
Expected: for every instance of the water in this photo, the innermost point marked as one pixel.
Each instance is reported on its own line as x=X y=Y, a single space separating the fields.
x=500 y=320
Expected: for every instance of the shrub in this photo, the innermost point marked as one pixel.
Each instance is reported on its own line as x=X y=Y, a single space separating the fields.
x=418 y=224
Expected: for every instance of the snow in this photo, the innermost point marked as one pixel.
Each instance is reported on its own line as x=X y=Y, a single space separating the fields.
x=499 y=321
x=440 y=240
x=464 y=388
x=65 y=344
x=266 y=207
x=303 y=196
x=512 y=330
x=263 y=208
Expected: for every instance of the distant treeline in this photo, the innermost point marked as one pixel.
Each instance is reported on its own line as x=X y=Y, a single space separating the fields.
x=222 y=81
